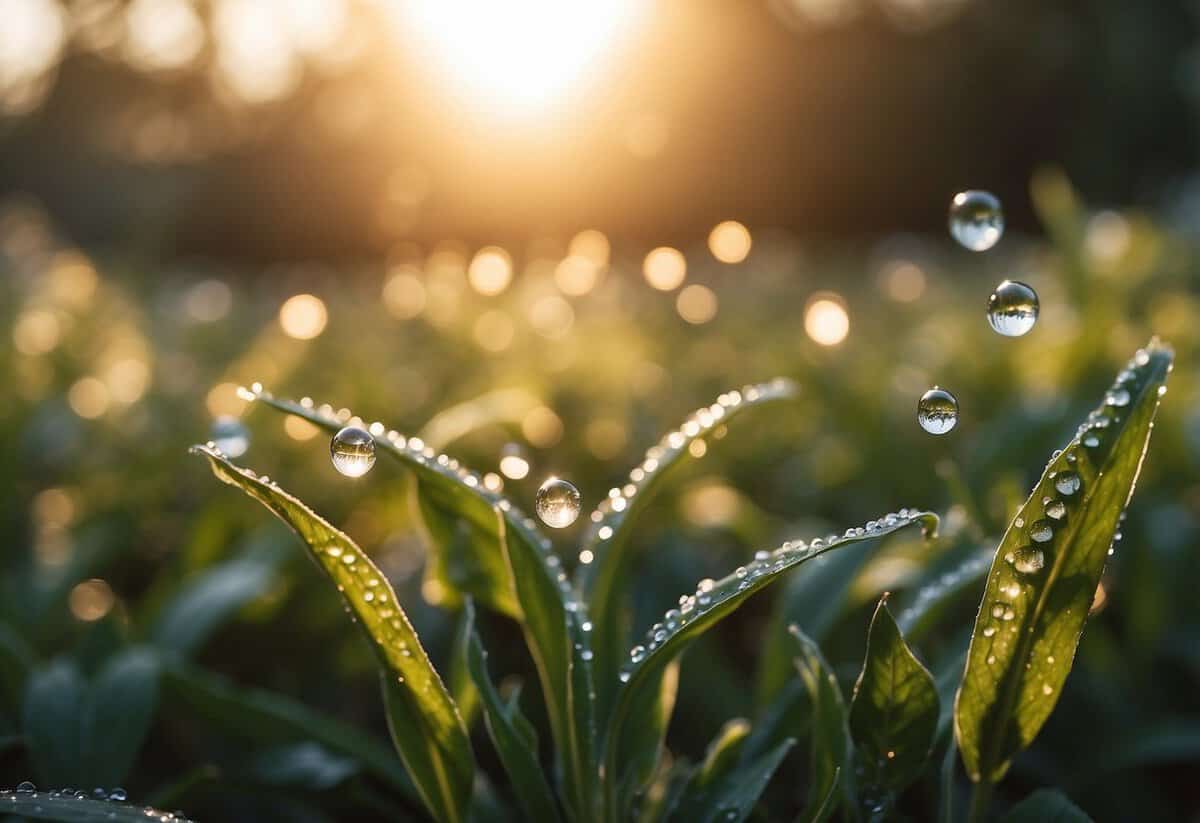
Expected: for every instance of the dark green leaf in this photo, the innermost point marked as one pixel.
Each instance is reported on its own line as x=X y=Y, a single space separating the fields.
x=116 y=715
x=15 y=660
x=309 y=766
x=606 y=544
x=512 y=734
x=425 y=724
x=894 y=713
x=828 y=787
x=213 y=597
x=263 y=717
x=53 y=703
x=1046 y=806
x=646 y=739
x=725 y=789
x=1038 y=592
x=52 y=805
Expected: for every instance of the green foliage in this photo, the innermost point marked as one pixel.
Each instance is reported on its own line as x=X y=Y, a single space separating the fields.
x=1046 y=571
x=831 y=781
x=1046 y=806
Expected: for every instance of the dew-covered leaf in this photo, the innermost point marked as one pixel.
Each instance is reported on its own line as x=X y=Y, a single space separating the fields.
x=830 y=754
x=1046 y=570
x=454 y=503
x=77 y=807
x=1046 y=806
x=894 y=712
x=606 y=543
x=512 y=734
x=712 y=602
x=425 y=724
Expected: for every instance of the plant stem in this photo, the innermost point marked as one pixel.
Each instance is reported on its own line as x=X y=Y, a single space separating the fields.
x=981 y=798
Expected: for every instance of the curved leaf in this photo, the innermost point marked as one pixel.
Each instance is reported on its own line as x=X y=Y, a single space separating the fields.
x=53 y=697
x=828 y=787
x=74 y=808
x=727 y=790
x=894 y=712
x=1046 y=806
x=606 y=542
x=932 y=599
x=116 y=715
x=1046 y=571
x=425 y=724
x=500 y=406
x=454 y=505
x=512 y=734
x=712 y=602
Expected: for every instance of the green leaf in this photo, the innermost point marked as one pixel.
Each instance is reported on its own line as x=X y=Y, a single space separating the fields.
x=53 y=699
x=1046 y=806
x=512 y=734
x=553 y=623
x=1037 y=595
x=933 y=599
x=211 y=598
x=456 y=508
x=712 y=602
x=723 y=788
x=894 y=712
x=645 y=741
x=116 y=715
x=829 y=785
x=264 y=717
x=459 y=420
x=16 y=658
x=423 y=720
x=66 y=808
x=606 y=544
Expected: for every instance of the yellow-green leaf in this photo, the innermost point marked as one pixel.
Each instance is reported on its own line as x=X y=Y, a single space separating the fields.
x=1045 y=572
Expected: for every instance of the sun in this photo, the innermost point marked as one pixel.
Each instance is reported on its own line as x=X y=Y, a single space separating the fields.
x=516 y=55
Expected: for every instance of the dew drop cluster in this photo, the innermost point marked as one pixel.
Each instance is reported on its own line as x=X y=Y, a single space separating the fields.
x=79 y=804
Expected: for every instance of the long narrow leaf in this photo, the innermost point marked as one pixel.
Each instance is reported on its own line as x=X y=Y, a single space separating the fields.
x=1046 y=571
x=425 y=724
x=712 y=602
x=605 y=545
x=730 y=794
x=512 y=734
x=830 y=757
x=75 y=807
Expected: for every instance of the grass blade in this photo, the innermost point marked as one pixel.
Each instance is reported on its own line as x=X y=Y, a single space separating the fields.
x=1045 y=572
x=725 y=789
x=512 y=734
x=711 y=603
x=606 y=543
x=827 y=788
x=53 y=698
x=425 y=724
x=70 y=808
x=116 y=715
x=894 y=712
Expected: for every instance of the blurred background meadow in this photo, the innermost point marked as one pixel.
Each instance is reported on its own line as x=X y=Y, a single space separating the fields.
x=540 y=234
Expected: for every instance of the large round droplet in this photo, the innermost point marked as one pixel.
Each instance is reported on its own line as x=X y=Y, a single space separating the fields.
x=230 y=436
x=1012 y=308
x=976 y=219
x=557 y=503
x=937 y=411
x=1042 y=531
x=1067 y=483
x=1028 y=560
x=352 y=451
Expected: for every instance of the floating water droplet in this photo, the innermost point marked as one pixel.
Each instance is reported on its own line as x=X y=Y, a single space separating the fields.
x=352 y=451
x=557 y=503
x=1028 y=560
x=937 y=411
x=1012 y=309
x=229 y=436
x=1067 y=483
x=1041 y=532
x=976 y=219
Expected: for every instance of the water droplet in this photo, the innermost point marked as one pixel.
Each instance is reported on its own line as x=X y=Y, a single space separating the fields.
x=1067 y=483
x=1047 y=689
x=25 y=787
x=1028 y=560
x=937 y=411
x=1091 y=441
x=1117 y=397
x=623 y=676
x=989 y=631
x=229 y=436
x=557 y=503
x=99 y=794
x=976 y=219
x=117 y=794
x=1012 y=308
x=991 y=659
x=1056 y=509
x=1041 y=532
x=352 y=451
